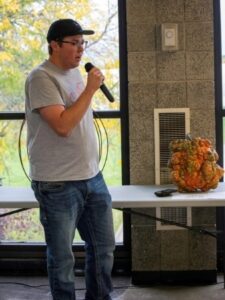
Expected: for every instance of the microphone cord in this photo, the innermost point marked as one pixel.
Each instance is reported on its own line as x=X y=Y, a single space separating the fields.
x=99 y=135
x=98 y=125
x=20 y=149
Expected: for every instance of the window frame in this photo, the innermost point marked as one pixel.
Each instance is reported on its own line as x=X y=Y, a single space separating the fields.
x=219 y=115
x=18 y=256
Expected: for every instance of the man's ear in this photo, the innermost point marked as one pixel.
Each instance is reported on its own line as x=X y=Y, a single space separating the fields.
x=54 y=45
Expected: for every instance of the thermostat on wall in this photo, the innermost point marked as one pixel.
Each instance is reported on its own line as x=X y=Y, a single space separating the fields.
x=169 y=33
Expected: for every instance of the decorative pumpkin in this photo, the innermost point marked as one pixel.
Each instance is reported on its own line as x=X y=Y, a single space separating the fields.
x=193 y=164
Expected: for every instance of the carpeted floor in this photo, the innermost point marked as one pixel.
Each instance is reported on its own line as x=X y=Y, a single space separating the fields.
x=36 y=288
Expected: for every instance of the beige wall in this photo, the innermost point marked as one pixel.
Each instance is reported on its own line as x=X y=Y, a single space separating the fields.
x=159 y=79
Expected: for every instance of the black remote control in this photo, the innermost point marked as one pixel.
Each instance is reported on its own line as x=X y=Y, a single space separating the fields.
x=165 y=193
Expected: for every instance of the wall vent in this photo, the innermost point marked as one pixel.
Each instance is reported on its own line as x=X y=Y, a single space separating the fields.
x=181 y=215
x=169 y=124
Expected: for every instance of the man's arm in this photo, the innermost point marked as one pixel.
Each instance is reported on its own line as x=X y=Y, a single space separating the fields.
x=62 y=120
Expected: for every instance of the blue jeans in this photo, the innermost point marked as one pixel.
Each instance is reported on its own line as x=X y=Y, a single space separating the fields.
x=85 y=205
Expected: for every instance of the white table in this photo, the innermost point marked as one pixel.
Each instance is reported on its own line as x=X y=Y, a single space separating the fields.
x=127 y=196
x=130 y=196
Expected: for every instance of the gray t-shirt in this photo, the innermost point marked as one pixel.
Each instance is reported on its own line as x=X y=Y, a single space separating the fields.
x=52 y=157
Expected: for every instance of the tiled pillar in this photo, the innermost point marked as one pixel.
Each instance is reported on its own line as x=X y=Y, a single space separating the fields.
x=159 y=79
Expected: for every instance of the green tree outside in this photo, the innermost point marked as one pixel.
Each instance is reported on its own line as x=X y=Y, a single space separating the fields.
x=23 y=28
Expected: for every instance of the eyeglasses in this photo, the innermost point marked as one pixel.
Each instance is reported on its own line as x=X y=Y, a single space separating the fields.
x=77 y=44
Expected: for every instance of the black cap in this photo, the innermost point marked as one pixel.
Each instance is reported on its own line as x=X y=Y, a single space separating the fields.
x=65 y=27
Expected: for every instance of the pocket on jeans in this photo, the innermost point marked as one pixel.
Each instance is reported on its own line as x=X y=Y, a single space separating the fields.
x=57 y=186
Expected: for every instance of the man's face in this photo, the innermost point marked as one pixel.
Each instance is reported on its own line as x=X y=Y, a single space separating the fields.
x=69 y=51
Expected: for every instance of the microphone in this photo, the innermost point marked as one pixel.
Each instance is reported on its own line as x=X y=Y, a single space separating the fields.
x=88 y=66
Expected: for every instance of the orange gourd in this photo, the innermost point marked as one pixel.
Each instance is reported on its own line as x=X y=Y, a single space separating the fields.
x=193 y=165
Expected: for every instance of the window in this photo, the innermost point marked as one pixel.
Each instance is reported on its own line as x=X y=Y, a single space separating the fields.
x=23 y=29
x=219 y=41
x=222 y=10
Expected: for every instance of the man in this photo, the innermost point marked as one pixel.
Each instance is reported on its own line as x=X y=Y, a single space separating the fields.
x=64 y=164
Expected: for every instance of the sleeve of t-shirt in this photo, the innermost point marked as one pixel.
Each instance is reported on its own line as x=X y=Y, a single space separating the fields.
x=43 y=91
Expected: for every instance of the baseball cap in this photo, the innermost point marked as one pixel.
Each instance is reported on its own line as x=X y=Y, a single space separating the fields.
x=65 y=27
